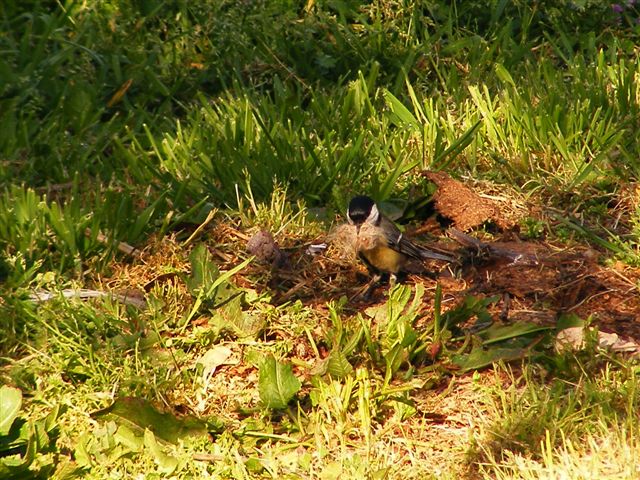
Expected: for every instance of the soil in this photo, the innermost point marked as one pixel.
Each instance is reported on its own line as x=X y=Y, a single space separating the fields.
x=462 y=206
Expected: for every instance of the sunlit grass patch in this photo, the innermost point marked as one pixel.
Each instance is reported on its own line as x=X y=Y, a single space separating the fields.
x=540 y=429
x=604 y=453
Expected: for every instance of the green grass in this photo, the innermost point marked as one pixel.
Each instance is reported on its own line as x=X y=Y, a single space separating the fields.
x=173 y=125
x=568 y=428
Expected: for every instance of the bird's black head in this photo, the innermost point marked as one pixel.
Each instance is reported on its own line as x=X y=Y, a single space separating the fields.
x=362 y=209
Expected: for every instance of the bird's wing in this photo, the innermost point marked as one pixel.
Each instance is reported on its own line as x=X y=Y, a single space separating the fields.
x=397 y=241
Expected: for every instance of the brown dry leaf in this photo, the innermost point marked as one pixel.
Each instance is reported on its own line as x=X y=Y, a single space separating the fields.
x=573 y=339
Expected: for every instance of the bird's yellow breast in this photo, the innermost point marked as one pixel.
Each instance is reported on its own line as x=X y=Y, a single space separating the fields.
x=372 y=245
x=385 y=259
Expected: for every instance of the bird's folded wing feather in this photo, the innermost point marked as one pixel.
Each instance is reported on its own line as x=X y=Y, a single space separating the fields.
x=397 y=241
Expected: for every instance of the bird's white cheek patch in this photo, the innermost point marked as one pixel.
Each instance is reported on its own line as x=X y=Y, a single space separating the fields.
x=373 y=215
x=349 y=218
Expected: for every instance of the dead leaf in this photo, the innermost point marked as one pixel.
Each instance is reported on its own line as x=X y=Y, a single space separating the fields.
x=215 y=357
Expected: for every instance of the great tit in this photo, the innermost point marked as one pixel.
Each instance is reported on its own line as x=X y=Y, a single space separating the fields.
x=380 y=244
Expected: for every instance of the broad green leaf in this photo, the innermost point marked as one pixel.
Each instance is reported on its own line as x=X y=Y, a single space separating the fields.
x=480 y=358
x=127 y=437
x=470 y=307
x=499 y=333
x=353 y=342
x=399 y=114
x=166 y=463
x=337 y=365
x=67 y=469
x=81 y=450
x=240 y=323
x=15 y=466
x=254 y=465
x=332 y=471
x=10 y=404
x=40 y=435
x=381 y=474
x=277 y=383
x=569 y=320
x=138 y=415
x=393 y=360
x=51 y=420
x=203 y=271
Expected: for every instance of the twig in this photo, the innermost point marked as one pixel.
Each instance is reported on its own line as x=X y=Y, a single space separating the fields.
x=83 y=294
x=121 y=246
x=496 y=250
x=212 y=213
x=584 y=300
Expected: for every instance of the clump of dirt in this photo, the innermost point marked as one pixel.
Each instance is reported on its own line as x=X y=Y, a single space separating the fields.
x=464 y=207
x=266 y=250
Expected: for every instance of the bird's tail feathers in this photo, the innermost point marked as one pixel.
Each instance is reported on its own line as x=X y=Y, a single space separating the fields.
x=429 y=254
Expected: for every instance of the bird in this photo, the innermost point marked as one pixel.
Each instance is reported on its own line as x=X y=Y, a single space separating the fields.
x=380 y=244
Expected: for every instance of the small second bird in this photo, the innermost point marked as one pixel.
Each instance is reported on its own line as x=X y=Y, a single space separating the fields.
x=380 y=244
